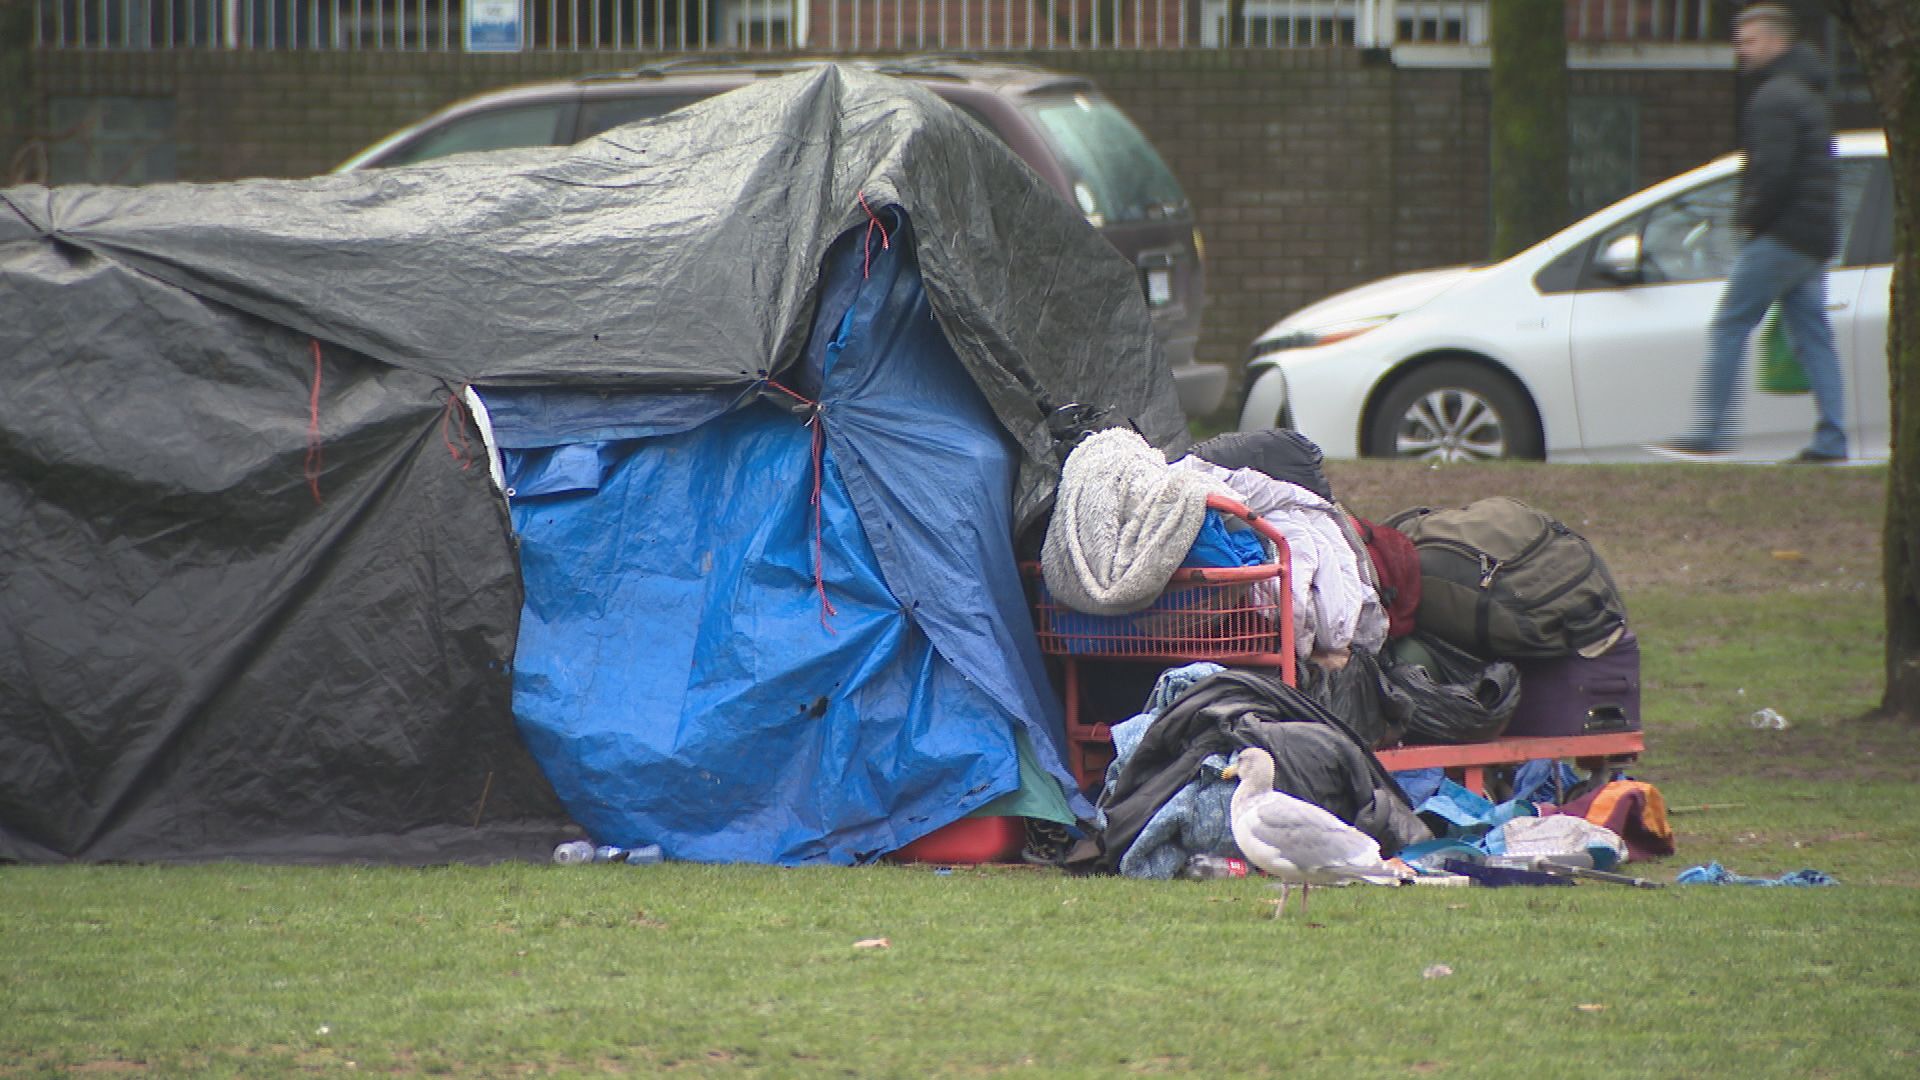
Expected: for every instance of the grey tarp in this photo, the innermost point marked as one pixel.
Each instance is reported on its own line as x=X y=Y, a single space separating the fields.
x=680 y=253
x=256 y=599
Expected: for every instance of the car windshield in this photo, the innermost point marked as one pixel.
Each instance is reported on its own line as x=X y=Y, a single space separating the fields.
x=1116 y=174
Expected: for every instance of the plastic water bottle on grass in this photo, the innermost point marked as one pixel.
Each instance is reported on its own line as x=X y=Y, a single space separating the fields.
x=644 y=855
x=1203 y=867
x=584 y=851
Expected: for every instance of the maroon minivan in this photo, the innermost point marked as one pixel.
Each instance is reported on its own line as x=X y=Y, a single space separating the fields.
x=1061 y=125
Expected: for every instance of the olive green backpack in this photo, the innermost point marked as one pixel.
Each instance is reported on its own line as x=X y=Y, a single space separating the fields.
x=1505 y=581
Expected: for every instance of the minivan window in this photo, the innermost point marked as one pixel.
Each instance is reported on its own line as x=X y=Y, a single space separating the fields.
x=604 y=114
x=496 y=129
x=1115 y=174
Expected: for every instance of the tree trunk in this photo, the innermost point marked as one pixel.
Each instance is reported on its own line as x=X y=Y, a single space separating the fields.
x=1529 y=121
x=1886 y=37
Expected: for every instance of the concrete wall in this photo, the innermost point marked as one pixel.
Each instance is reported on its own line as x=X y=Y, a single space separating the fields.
x=1312 y=169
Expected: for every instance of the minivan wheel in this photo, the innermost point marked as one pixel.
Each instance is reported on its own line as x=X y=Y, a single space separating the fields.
x=1454 y=410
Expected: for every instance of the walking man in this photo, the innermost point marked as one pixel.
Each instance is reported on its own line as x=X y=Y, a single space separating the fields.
x=1787 y=211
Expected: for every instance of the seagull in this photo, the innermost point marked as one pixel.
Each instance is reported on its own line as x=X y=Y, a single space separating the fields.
x=1295 y=841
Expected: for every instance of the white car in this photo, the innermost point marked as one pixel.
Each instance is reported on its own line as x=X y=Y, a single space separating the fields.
x=1585 y=347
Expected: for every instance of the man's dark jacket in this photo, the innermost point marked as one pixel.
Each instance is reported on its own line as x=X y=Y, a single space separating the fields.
x=1788 y=189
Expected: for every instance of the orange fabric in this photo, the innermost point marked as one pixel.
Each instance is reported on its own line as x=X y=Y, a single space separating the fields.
x=1653 y=811
x=1634 y=809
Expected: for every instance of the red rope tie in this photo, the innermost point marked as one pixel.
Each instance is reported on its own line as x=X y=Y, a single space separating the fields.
x=814 y=421
x=452 y=419
x=314 y=456
x=866 y=244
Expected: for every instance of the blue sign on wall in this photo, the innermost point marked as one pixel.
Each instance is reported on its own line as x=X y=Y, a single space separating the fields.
x=493 y=25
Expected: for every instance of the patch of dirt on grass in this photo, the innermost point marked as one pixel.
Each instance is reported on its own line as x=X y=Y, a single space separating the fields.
x=1721 y=527
x=1165 y=1063
x=54 y=1061
x=1868 y=749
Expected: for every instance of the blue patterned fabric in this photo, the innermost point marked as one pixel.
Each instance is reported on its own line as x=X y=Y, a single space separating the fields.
x=1196 y=818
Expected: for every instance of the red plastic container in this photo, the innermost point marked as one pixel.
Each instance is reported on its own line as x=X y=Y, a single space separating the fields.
x=1241 y=615
x=1204 y=614
x=969 y=840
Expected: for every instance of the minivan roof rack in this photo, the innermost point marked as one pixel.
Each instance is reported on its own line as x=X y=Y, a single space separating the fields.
x=957 y=66
x=686 y=64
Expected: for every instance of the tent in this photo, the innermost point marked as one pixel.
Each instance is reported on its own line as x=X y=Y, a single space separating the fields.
x=664 y=484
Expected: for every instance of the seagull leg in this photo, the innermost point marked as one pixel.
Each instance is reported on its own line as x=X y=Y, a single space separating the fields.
x=1305 y=891
x=1281 y=908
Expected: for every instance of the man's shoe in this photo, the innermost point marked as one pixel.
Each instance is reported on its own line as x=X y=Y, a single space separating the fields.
x=1811 y=456
x=1690 y=448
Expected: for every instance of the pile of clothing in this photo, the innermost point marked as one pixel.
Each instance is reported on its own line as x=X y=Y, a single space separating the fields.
x=1125 y=519
x=1368 y=674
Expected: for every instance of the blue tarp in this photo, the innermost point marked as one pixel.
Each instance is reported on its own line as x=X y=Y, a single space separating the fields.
x=678 y=674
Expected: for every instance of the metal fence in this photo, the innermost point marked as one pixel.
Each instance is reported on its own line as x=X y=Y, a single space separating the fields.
x=821 y=25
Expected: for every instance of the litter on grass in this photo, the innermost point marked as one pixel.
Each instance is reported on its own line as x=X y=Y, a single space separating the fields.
x=1715 y=874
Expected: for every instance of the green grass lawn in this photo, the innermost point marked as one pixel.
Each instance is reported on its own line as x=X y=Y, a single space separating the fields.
x=1749 y=587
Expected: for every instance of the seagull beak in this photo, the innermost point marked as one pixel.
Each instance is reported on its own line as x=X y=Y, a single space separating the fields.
x=1231 y=772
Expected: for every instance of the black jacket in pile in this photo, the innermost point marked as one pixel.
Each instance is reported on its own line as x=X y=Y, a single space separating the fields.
x=1315 y=758
x=1788 y=188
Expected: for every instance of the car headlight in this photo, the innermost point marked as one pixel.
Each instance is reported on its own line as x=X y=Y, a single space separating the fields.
x=1320 y=335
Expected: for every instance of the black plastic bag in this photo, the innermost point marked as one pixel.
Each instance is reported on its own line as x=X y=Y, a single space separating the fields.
x=1456 y=696
x=1375 y=707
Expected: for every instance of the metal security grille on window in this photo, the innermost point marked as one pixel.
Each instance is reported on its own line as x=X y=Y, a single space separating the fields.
x=833 y=25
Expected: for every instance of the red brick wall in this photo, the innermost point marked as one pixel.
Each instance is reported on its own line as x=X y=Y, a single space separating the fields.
x=1312 y=169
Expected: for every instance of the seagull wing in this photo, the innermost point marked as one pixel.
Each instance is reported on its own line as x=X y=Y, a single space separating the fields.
x=1308 y=836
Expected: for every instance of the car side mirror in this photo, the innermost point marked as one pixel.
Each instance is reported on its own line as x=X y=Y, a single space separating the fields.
x=1620 y=259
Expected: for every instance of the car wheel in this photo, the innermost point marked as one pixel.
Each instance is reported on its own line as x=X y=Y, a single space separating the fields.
x=1454 y=411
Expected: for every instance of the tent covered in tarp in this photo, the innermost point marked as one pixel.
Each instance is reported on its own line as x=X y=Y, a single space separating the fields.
x=662 y=484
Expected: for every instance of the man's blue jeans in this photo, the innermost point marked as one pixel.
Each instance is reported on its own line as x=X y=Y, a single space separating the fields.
x=1767 y=271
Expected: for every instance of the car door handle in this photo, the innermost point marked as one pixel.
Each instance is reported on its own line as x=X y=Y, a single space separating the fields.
x=1838 y=305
